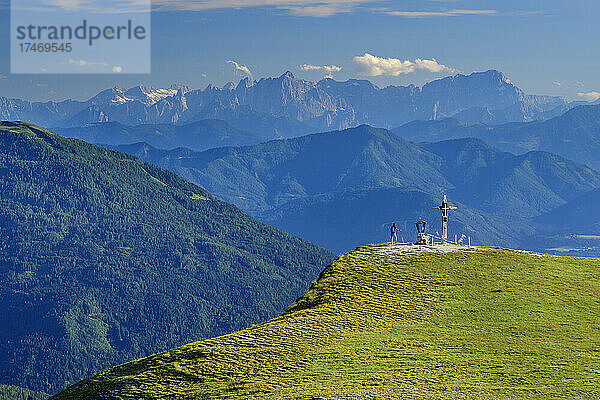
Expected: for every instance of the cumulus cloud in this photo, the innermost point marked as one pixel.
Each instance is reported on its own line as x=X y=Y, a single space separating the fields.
x=242 y=68
x=432 y=66
x=557 y=83
x=589 y=96
x=329 y=70
x=371 y=65
x=446 y=13
x=117 y=69
x=304 y=8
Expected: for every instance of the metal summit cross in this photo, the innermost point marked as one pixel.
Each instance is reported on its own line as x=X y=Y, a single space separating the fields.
x=445 y=208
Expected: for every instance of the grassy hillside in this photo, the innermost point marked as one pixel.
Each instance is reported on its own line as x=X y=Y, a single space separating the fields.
x=8 y=392
x=105 y=259
x=393 y=322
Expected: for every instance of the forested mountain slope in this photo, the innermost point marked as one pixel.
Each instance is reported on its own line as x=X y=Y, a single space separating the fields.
x=105 y=259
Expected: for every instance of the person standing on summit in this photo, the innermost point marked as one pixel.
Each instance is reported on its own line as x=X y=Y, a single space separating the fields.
x=393 y=234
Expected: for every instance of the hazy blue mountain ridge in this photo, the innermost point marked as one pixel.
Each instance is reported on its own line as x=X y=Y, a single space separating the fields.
x=574 y=135
x=200 y=135
x=314 y=186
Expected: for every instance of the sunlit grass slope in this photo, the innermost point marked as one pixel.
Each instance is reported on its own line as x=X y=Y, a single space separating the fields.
x=381 y=323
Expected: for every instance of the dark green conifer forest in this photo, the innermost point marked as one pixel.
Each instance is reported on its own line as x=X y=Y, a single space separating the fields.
x=105 y=259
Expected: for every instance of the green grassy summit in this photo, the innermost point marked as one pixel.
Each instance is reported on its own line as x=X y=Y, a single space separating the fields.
x=396 y=322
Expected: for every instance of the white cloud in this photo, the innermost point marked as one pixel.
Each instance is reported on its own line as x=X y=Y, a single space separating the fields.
x=241 y=68
x=3 y=77
x=432 y=66
x=320 y=11
x=69 y=5
x=304 y=8
x=92 y=6
x=579 y=84
x=589 y=96
x=446 y=13
x=557 y=83
x=329 y=70
x=371 y=65
x=117 y=69
x=83 y=63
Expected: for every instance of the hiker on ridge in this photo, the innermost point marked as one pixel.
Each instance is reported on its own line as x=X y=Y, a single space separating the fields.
x=393 y=230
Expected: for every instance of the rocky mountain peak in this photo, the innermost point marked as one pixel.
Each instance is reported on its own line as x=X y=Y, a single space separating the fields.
x=229 y=86
x=287 y=75
x=245 y=83
x=487 y=96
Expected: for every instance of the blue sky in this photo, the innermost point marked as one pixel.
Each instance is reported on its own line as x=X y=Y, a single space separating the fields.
x=543 y=46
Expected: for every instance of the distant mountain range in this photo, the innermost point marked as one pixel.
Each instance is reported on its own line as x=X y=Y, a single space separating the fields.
x=287 y=107
x=200 y=135
x=581 y=215
x=344 y=188
x=105 y=259
x=574 y=134
x=578 y=220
